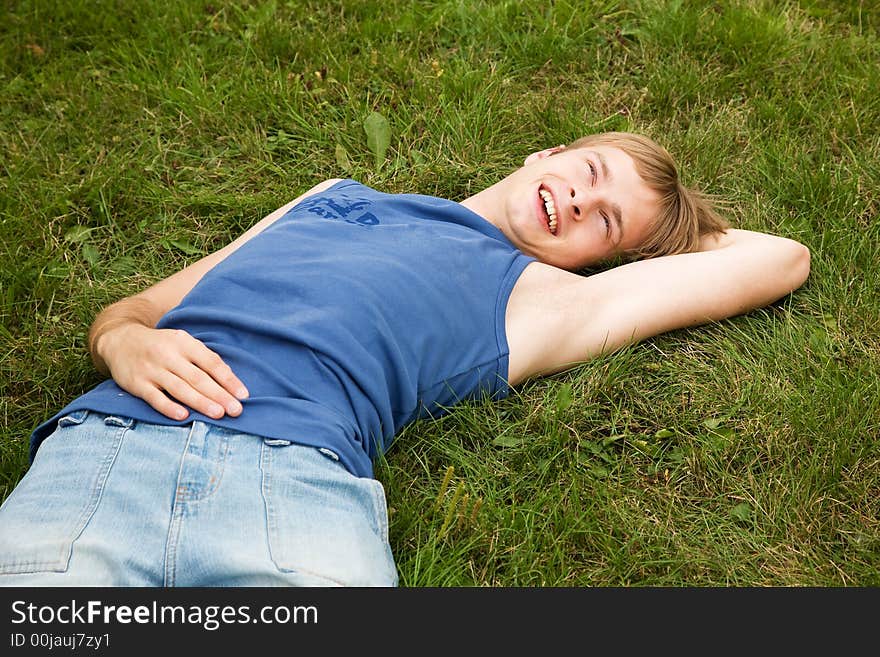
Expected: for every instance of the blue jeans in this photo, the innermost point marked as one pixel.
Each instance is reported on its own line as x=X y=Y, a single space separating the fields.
x=109 y=501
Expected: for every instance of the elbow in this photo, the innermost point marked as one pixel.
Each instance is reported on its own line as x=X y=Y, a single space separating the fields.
x=799 y=267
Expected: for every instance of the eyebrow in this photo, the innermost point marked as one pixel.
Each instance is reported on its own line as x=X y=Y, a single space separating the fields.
x=615 y=208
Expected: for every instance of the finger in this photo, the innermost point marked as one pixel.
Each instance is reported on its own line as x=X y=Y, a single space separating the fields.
x=161 y=403
x=206 y=386
x=184 y=392
x=211 y=363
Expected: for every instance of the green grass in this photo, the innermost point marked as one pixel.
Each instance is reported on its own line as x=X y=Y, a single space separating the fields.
x=135 y=137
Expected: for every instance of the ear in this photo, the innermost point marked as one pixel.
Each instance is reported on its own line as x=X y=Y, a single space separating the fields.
x=547 y=152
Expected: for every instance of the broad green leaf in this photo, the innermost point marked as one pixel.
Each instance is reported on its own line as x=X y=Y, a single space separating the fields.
x=182 y=245
x=564 y=397
x=91 y=254
x=598 y=450
x=342 y=158
x=378 y=136
x=591 y=446
x=719 y=438
x=676 y=455
x=56 y=269
x=123 y=265
x=613 y=438
x=741 y=511
x=507 y=441
x=664 y=433
x=77 y=234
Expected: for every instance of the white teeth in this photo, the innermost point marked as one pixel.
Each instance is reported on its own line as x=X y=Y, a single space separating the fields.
x=551 y=208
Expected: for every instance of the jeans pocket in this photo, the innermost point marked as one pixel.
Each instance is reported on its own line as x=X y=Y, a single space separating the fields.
x=321 y=519
x=54 y=501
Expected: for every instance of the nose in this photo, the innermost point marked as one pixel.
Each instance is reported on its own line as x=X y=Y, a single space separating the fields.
x=575 y=205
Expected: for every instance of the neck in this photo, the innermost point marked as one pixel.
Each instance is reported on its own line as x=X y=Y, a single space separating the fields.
x=485 y=203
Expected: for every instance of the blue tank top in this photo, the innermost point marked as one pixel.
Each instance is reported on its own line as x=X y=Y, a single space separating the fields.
x=352 y=315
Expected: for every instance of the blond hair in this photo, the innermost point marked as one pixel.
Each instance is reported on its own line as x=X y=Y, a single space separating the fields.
x=685 y=215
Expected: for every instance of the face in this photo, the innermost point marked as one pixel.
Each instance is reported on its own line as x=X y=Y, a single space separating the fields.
x=572 y=208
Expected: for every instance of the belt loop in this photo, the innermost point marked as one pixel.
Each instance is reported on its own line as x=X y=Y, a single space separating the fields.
x=276 y=442
x=119 y=421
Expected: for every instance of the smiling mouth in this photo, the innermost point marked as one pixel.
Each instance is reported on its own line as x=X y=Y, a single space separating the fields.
x=549 y=210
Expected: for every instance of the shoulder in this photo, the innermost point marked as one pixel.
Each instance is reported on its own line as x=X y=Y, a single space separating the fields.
x=321 y=187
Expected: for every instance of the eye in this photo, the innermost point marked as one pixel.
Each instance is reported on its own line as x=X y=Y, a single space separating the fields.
x=592 y=171
x=607 y=224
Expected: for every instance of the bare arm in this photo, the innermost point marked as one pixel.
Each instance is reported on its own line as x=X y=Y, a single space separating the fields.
x=587 y=316
x=160 y=364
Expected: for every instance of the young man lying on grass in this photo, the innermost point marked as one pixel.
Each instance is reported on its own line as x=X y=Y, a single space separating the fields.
x=251 y=391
